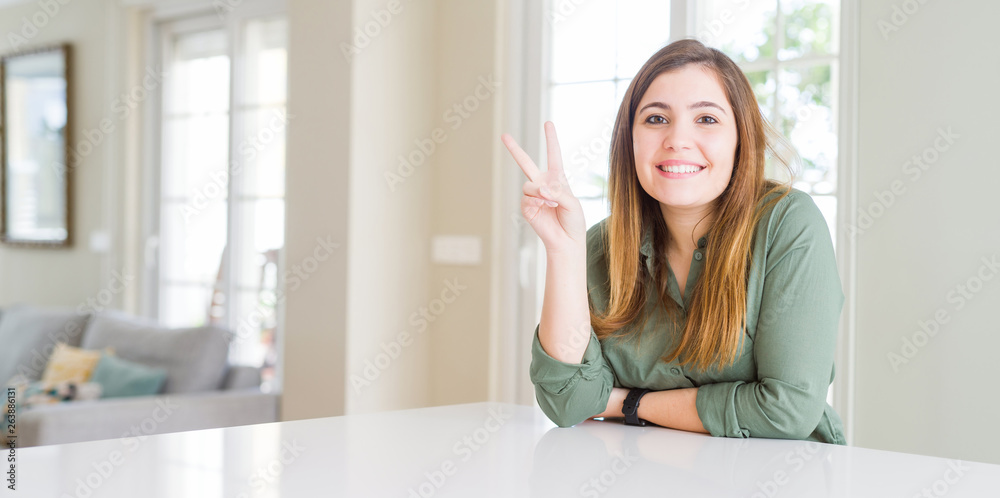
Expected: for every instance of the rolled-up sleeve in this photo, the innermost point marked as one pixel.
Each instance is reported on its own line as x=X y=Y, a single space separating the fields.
x=569 y=393
x=795 y=338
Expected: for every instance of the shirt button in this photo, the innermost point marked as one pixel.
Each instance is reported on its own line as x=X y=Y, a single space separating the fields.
x=697 y=256
x=675 y=371
x=702 y=242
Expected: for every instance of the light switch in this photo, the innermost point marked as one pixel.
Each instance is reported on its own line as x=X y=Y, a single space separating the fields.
x=456 y=250
x=100 y=241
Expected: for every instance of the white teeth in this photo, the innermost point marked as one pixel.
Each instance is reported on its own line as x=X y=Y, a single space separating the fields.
x=686 y=168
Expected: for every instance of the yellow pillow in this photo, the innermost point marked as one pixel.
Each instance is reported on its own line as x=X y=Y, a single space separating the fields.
x=70 y=364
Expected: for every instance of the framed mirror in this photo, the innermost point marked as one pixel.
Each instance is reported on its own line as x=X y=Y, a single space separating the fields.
x=35 y=207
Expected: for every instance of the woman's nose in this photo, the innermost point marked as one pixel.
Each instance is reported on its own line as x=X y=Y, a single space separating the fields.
x=677 y=137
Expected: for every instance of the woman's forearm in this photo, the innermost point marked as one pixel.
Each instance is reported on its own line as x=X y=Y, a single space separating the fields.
x=614 y=408
x=675 y=408
x=564 y=329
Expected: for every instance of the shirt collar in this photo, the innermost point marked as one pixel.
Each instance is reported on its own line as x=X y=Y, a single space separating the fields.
x=646 y=246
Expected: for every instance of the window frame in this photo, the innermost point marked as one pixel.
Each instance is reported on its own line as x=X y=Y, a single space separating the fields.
x=166 y=20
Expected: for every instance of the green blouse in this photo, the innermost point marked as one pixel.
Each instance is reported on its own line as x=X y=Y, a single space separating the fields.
x=778 y=385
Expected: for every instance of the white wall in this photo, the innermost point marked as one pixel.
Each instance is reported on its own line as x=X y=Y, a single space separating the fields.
x=467 y=75
x=938 y=71
x=429 y=57
x=67 y=277
x=392 y=104
x=317 y=202
x=351 y=343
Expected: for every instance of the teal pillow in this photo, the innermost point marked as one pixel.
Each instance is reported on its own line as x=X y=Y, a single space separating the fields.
x=119 y=378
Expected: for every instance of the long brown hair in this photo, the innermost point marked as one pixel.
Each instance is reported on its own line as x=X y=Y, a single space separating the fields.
x=717 y=315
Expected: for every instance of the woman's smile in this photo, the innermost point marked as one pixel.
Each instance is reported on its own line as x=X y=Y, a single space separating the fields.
x=675 y=168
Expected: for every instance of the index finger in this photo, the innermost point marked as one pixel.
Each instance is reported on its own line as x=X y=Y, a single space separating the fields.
x=521 y=157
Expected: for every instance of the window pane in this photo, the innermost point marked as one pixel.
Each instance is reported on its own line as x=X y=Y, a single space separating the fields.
x=194 y=145
x=193 y=238
x=763 y=85
x=811 y=27
x=184 y=305
x=260 y=189
x=265 y=81
x=257 y=316
x=584 y=116
x=262 y=152
x=198 y=79
x=643 y=28
x=808 y=120
x=262 y=235
x=595 y=210
x=194 y=178
x=745 y=31
x=583 y=41
x=195 y=156
x=620 y=90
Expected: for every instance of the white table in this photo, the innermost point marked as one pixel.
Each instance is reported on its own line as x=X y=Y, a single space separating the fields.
x=480 y=450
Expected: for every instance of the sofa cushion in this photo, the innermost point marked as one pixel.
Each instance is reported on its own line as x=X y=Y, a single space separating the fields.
x=241 y=377
x=28 y=334
x=195 y=358
x=120 y=378
x=69 y=364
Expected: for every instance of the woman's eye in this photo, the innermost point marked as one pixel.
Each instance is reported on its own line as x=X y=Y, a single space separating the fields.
x=652 y=119
x=708 y=117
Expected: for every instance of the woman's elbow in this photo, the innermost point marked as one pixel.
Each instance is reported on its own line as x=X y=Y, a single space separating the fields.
x=566 y=422
x=570 y=408
x=800 y=428
x=796 y=420
x=561 y=414
x=789 y=411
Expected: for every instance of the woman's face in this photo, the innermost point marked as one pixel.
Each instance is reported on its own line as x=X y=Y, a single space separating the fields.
x=685 y=126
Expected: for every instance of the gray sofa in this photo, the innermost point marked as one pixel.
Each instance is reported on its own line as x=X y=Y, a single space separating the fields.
x=202 y=390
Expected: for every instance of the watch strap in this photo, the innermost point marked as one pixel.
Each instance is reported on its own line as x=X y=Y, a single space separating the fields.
x=630 y=407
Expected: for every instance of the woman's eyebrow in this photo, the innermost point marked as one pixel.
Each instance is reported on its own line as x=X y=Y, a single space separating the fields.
x=696 y=105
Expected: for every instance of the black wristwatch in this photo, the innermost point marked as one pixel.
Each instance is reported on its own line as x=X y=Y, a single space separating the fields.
x=630 y=408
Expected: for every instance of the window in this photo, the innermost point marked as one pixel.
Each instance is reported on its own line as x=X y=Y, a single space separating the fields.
x=787 y=48
x=221 y=208
x=597 y=47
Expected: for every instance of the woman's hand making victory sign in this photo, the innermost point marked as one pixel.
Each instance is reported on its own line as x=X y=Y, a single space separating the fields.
x=548 y=204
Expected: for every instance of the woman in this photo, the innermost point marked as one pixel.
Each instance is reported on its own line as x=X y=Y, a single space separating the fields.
x=710 y=294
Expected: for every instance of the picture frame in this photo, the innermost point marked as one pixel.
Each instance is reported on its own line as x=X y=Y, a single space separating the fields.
x=35 y=154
